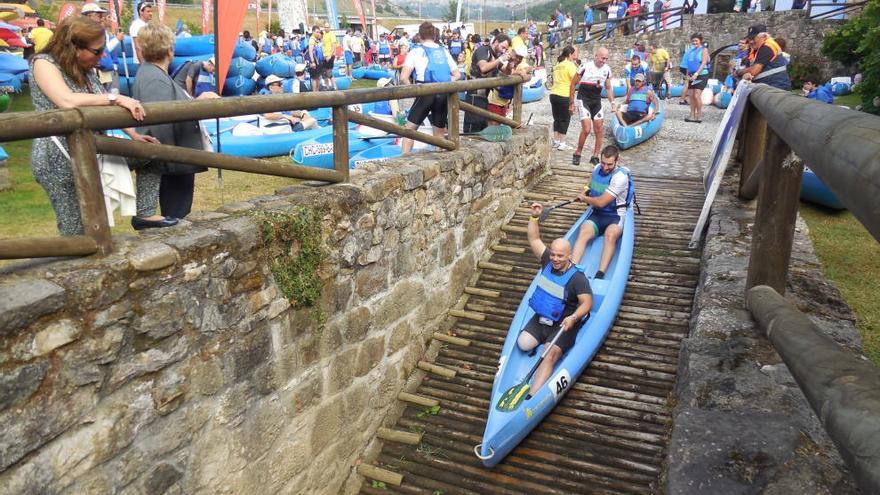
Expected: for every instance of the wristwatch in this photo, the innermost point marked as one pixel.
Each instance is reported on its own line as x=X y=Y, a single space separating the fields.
x=112 y=96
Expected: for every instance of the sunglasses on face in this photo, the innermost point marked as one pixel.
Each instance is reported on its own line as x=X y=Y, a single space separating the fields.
x=94 y=51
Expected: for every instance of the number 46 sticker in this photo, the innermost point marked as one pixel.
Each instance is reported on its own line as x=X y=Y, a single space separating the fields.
x=559 y=383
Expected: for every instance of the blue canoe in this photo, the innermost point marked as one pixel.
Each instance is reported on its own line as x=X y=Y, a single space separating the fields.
x=239 y=86
x=627 y=137
x=318 y=151
x=378 y=153
x=505 y=430
x=358 y=72
x=10 y=82
x=10 y=64
x=257 y=146
x=618 y=86
x=815 y=191
x=535 y=93
x=185 y=47
x=241 y=66
x=375 y=72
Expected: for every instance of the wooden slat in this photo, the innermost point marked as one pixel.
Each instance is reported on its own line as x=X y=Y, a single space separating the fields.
x=495 y=266
x=451 y=339
x=437 y=370
x=482 y=292
x=379 y=474
x=417 y=399
x=470 y=315
x=404 y=437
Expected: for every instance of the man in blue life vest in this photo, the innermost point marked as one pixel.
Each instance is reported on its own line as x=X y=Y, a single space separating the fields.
x=384 y=50
x=196 y=77
x=638 y=104
x=632 y=69
x=430 y=63
x=765 y=63
x=314 y=55
x=561 y=301
x=610 y=192
x=455 y=45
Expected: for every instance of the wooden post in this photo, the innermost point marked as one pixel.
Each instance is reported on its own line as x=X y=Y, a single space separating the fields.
x=340 y=140
x=516 y=105
x=755 y=145
x=89 y=189
x=773 y=232
x=453 y=124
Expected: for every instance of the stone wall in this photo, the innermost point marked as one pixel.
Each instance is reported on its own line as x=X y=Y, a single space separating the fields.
x=176 y=365
x=804 y=36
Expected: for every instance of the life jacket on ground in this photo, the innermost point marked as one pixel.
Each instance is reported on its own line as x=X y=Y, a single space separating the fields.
x=775 y=73
x=638 y=101
x=205 y=82
x=599 y=183
x=549 y=297
x=438 y=65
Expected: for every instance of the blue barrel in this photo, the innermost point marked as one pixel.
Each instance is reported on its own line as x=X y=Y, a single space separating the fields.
x=194 y=45
x=245 y=50
x=126 y=45
x=132 y=68
x=840 y=89
x=238 y=86
x=278 y=64
x=343 y=83
x=241 y=67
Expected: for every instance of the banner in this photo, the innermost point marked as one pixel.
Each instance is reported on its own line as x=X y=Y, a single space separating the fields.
x=375 y=23
x=207 y=10
x=67 y=10
x=269 y=21
x=160 y=6
x=332 y=15
x=259 y=8
x=230 y=19
x=360 y=12
x=114 y=17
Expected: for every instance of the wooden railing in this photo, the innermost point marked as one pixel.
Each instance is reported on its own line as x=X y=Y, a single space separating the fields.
x=843 y=148
x=81 y=125
x=839 y=8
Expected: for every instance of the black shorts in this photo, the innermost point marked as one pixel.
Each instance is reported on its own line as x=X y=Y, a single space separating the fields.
x=434 y=105
x=700 y=82
x=630 y=117
x=545 y=333
x=683 y=71
x=315 y=72
x=602 y=221
x=327 y=68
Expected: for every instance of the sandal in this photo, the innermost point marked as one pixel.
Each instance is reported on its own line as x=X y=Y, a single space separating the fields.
x=575 y=160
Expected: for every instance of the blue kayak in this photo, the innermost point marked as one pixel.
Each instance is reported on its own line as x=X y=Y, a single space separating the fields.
x=535 y=93
x=358 y=72
x=627 y=137
x=245 y=50
x=506 y=429
x=618 y=86
x=318 y=151
x=10 y=64
x=840 y=89
x=722 y=100
x=10 y=82
x=185 y=47
x=376 y=72
x=260 y=146
x=378 y=153
x=241 y=67
x=278 y=64
x=815 y=191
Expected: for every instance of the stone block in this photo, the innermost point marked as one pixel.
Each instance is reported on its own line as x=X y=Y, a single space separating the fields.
x=55 y=335
x=162 y=477
x=357 y=324
x=369 y=355
x=115 y=313
x=162 y=312
x=236 y=207
x=371 y=280
x=247 y=353
x=412 y=178
x=204 y=375
x=306 y=394
x=23 y=301
x=399 y=337
x=205 y=216
x=277 y=307
x=244 y=230
x=329 y=424
x=195 y=239
x=149 y=361
x=151 y=256
x=340 y=371
x=19 y=384
x=407 y=296
x=381 y=186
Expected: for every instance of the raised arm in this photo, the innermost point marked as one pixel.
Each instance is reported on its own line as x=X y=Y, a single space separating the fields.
x=534 y=232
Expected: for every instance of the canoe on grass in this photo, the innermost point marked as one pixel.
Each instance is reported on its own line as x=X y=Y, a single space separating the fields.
x=378 y=153
x=505 y=430
x=239 y=136
x=815 y=191
x=627 y=137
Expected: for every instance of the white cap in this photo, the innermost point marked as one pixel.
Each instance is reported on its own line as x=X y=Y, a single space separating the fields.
x=211 y=60
x=272 y=79
x=521 y=51
x=300 y=68
x=91 y=8
x=383 y=81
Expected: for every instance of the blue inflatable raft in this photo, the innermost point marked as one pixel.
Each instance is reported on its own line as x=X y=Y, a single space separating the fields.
x=840 y=89
x=627 y=137
x=534 y=93
x=318 y=151
x=815 y=191
x=722 y=100
x=239 y=86
x=278 y=64
x=11 y=64
x=241 y=67
x=358 y=72
x=506 y=429
x=618 y=86
x=375 y=72
x=186 y=47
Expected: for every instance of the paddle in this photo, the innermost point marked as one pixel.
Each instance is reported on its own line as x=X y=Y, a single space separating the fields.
x=513 y=397
x=494 y=133
x=546 y=212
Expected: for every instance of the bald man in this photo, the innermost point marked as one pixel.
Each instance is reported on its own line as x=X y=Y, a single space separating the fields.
x=562 y=301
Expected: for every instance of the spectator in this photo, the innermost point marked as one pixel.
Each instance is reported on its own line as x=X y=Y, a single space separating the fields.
x=632 y=11
x=563 y=74
x=660 y=62
x=399 y=60
x=384 y=50
x=196 y=77
x=539 y=53
x=689 y=6
x=588 y=21
x=456 y=46
x=153 y=84
x=145 y=15
x=315 y=57
x=766 y=62
x=658 y=7
x=636 y=66
x=63 y=76
x=346 y=49
x=521 y=39
x=698 y=75
x=107 y=66
x=329 y=46
x=611 y=23
x=499 y=98
x=40 y=35
x=622 y=8
x=471 y=44
x=667 y=4
x=357 y=47
x=429 y=62
x=814 y=91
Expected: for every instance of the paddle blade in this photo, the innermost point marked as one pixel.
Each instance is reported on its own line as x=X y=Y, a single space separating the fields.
x=513 y=397
x=544 y=214
x=497 y=133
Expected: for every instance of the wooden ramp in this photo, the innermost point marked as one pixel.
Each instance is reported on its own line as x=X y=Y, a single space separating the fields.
x=608 y=435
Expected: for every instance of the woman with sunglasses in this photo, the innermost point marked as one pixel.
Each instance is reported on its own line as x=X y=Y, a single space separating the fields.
x=63 y=76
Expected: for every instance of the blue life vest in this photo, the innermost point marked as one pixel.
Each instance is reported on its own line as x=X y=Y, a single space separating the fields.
x=455 y=47
x=506 y=92
x=694 y=59
x=384 y=48
x=638 y=102
x=205 y=82
x=267 y=46
x=599 y=183
x=549 y=297
x=319 y=53
x=631 y=72
x=438 y=65
x=382 y=107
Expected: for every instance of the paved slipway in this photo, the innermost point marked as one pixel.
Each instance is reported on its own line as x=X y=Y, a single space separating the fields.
x=613 y=432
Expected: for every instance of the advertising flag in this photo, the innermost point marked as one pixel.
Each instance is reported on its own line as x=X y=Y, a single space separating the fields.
x=230 y=19
x=207 y=10
x=160 y=6
x=360 y=12
x=67 y=10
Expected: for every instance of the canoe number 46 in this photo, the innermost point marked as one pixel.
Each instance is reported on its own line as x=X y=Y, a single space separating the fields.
x=559 y=383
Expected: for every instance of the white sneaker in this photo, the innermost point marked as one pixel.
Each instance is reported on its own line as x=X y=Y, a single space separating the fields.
x=564 y=147
x=555 y=145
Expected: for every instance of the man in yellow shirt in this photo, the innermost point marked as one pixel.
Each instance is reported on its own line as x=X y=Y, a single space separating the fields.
x=328 y=46
x=659 y=61
x=521 y=39
x=40 y=35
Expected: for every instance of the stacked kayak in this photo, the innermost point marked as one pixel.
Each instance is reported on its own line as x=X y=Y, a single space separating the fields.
x=374 y=71
x=13 y=71
x=618 y=86
x=505 y=428
x=278 y=64
x=815 y=191
x=187 y=47
x=722 y=99
x=318 y=151
x=239 y=86
x=358 y=72
x=253 y=144
x=629 y=136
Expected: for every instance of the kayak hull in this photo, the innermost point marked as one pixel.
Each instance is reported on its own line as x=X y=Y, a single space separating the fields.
x=815 y=191
x=627 y=137
x=318 y=151
x=535 y=93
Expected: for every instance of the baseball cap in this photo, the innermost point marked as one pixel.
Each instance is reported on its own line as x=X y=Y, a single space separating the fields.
x=640 y=77
x=272 y=79
x=755 y=30
x=211 y=60
x=300 y=68
x=383 y=81
x=521 y=51
x=144 y=5
x=90 y=8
